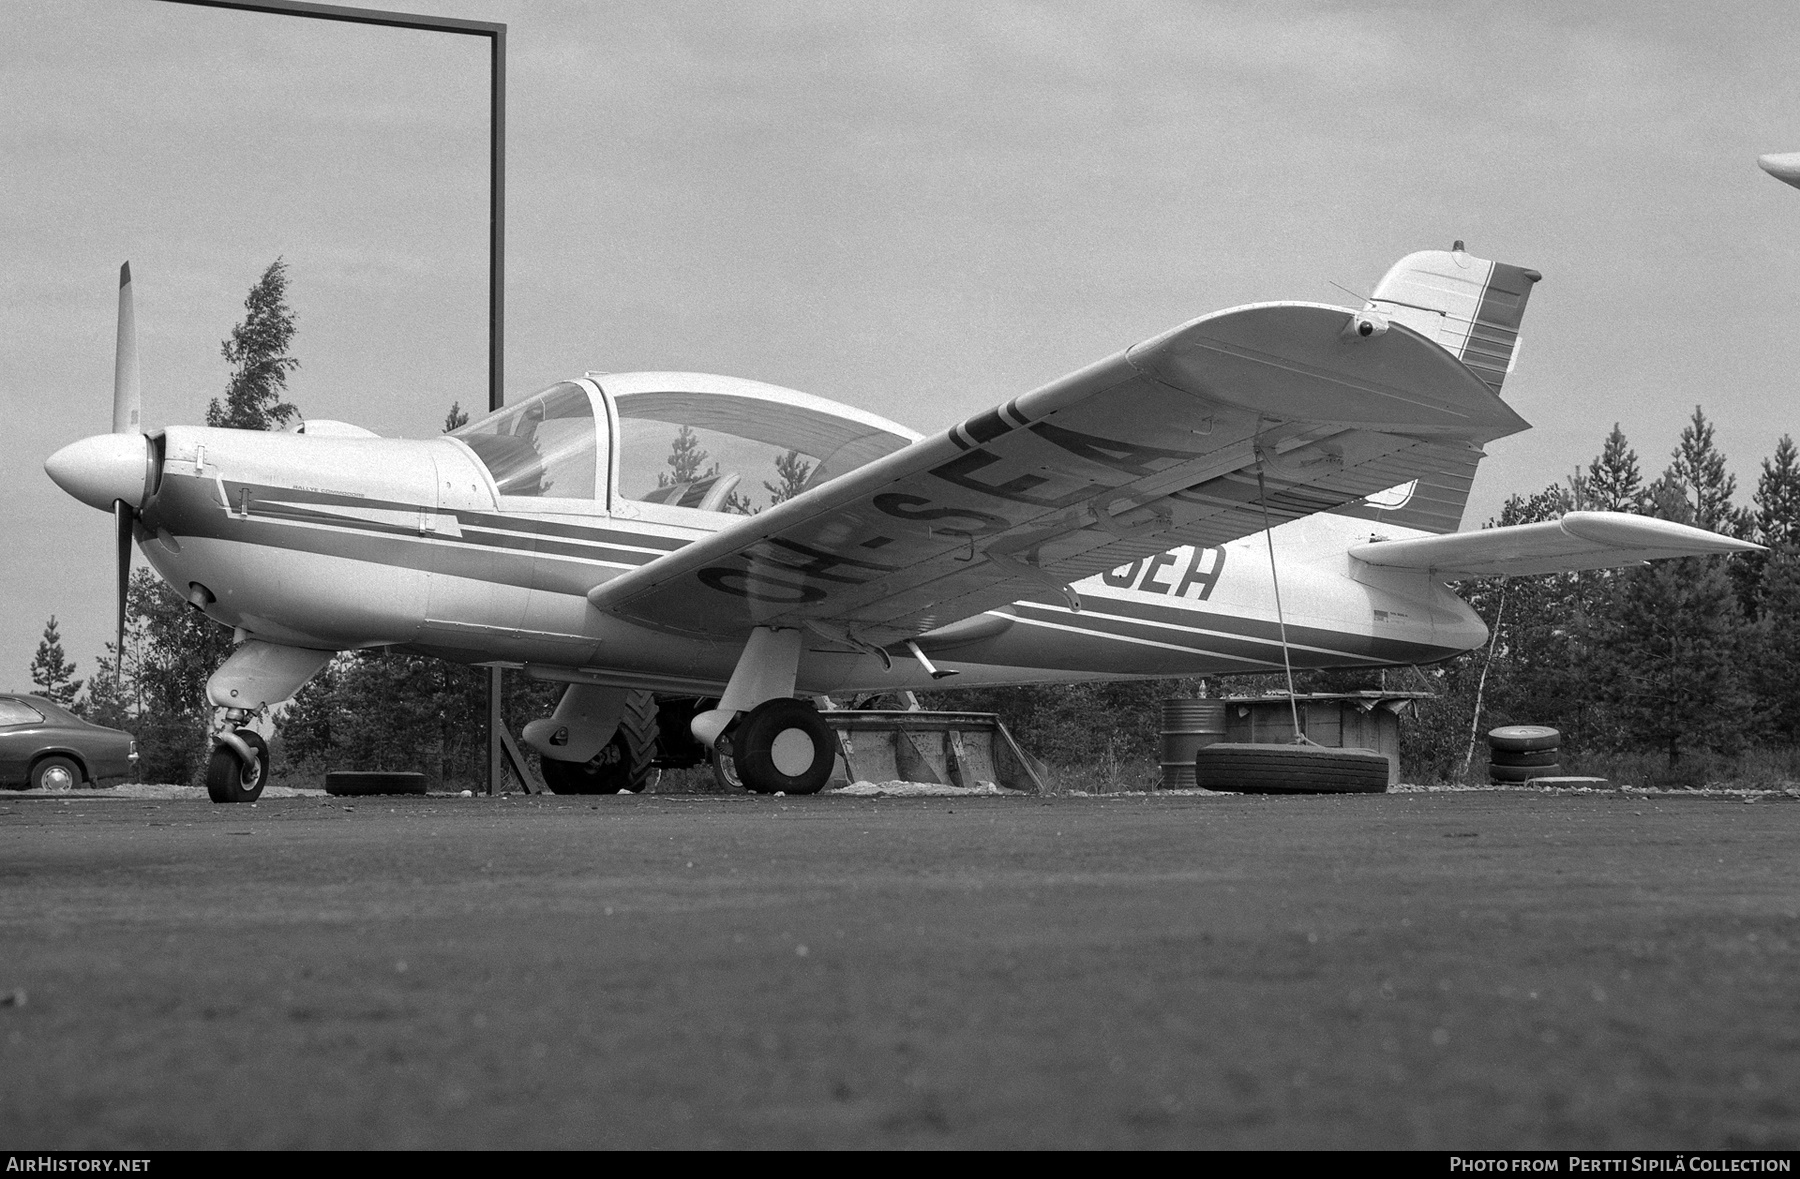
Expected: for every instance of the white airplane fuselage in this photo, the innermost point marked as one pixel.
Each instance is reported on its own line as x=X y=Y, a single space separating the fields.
x=339 y=542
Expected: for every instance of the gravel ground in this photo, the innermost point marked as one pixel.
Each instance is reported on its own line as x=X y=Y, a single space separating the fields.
x=1434 y=969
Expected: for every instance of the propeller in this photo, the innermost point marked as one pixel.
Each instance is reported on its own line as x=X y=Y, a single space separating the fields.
x=128 y=410
x=116 y=472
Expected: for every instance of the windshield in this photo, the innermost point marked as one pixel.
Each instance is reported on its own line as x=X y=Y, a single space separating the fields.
x=543 y=446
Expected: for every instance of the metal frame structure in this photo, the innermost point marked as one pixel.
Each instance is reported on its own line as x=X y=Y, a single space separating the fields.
x=499 y=745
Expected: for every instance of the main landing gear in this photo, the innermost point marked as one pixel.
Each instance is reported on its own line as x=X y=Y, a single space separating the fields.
x=761 y=737
x=780 y=746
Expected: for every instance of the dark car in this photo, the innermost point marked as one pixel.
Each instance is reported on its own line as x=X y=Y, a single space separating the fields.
x=45 y=745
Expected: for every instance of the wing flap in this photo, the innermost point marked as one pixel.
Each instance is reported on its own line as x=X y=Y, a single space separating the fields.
x=1154 y=447
x=1579 y=540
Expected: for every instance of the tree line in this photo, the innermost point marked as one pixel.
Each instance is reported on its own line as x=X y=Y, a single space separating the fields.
x=1683 y=665
x=1674 y=671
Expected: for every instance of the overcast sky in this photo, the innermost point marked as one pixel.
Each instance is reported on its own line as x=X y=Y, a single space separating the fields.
x=921 y=209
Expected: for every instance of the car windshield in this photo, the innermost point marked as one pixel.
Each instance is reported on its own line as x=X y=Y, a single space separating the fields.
x=17 y=712
x=543 y=446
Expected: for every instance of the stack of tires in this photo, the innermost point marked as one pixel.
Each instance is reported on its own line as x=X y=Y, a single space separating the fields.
x=1519 y=753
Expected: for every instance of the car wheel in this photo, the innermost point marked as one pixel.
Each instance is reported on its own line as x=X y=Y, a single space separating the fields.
x=55 y=773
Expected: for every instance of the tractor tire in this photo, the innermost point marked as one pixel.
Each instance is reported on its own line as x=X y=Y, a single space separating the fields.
x=1290 y=769
x=623 y=763
x=1524 y=738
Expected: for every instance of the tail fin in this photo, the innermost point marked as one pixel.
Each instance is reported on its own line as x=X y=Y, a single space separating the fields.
x=1469 y=305
x=1472 y=307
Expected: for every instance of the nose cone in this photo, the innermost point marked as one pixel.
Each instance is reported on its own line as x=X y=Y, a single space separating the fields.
x=1783 y=166
x=103 y=468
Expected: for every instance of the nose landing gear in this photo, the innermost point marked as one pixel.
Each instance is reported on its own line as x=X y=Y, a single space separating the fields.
x=239 y=766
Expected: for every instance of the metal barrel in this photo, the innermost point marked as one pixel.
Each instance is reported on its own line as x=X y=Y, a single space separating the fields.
x=1187 y=727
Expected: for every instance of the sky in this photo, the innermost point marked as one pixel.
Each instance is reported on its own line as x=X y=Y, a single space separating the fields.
x=921 y=209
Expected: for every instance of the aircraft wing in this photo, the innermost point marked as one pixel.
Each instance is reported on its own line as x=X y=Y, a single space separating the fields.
x=1580 y=540
x=1157 y=446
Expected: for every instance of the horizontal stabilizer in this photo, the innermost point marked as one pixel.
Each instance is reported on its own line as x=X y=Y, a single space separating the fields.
x=1580 y=540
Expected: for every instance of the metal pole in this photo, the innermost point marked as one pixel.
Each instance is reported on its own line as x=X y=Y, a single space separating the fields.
x=495 y=721
x=496 y=34
x=496 y=322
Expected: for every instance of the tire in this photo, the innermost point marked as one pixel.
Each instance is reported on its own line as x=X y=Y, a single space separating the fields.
x=623 y=763
x=1513 y=774
x=1523 y=738
x=365 y=783
x=1537 y=757
x=231 y=779
x=1243 y=768
x=784 y=745
x=55 y=773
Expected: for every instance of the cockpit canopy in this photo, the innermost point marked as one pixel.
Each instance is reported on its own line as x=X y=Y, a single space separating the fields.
x=685 y=440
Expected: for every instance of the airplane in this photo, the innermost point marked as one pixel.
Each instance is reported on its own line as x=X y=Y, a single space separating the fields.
x=1274 y=483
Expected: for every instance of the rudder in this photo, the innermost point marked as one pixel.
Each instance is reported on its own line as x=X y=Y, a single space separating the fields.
x=1471 y=306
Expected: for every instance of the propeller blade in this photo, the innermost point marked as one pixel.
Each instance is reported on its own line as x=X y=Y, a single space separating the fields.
x=128 y=397
x=122 y=536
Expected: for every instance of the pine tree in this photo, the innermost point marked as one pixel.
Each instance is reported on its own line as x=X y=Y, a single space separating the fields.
x=1699 y=469
x=1775 y=650
x=1675 y=670
x=257 y=352
x=180 y=649
x=456 y=418
x=1613 y=483
x=685 y=459
x=1778 y=498
x=791 y=473
x=51 y=673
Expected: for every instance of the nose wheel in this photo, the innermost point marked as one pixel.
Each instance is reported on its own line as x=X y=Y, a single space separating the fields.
x=780 y=745
x=230 y=778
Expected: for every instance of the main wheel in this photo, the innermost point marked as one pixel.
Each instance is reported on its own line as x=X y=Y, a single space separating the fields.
x=229 y=778
x=1290 y=769
x=623 y=763
x=784 y=745
x=55 y=773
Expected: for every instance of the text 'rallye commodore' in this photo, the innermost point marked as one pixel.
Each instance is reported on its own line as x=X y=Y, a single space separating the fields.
x=710 y=552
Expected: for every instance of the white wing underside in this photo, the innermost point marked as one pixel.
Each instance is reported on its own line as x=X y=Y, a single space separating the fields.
x=1579 y=540
x=1155 y=447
